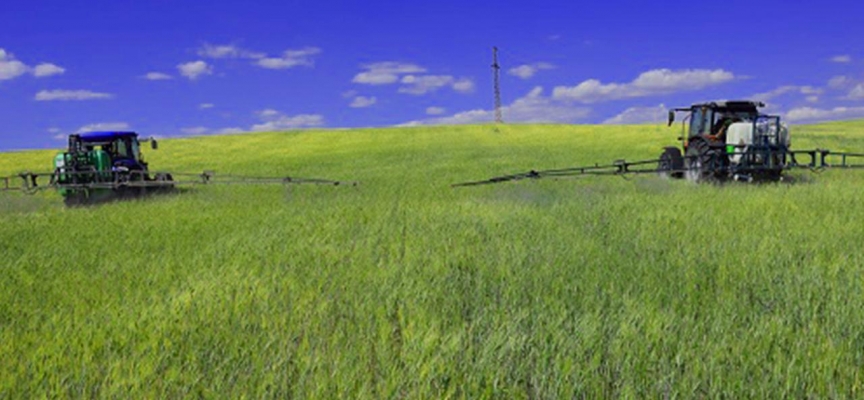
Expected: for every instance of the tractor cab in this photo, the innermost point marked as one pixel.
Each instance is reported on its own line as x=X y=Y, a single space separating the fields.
x=122 y=148
x=711 y=120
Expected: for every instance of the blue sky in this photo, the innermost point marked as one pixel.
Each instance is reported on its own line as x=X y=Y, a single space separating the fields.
x=174 y=68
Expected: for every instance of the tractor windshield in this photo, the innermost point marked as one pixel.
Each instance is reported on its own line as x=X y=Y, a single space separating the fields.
x=136 y=150
x=126 y=147
x=700 y=122
x=121 y=148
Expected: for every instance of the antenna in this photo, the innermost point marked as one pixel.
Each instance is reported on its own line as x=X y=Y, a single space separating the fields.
x=495 y=71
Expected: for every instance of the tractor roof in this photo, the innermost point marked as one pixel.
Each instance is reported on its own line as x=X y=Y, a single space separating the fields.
x=736 y=105
x=104 y=136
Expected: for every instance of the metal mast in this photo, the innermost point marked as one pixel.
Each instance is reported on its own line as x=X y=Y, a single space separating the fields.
x=495 y=70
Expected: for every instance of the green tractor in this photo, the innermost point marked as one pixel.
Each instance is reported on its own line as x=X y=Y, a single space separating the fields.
x=105 y=165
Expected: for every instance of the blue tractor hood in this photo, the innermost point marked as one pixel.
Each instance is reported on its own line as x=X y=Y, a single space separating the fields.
x=104 y=136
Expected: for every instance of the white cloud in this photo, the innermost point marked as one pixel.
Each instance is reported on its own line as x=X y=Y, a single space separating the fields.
x=195 y=69
x=665 y=79
x=157 y=76
x=232 y=130
x=11 y=68
x=418 y=85
x=47 y=69
x=639 y=115
x=533 y=107
x=423 y=84
x=279 y=122
x=526 y=71
x=812 y=99
x=654 y=82
x=838 y=82
x=204 y=106
x=411 y=77
x=196 y=130
x=104 y=126
x=854 y=86
x=811 y=114
x=384 y=73
x=71 y=95
x=290 y=59
x=53 y=130
x=463 y=85
x=782 y=90
x=227 y=51
x=273 y=120
x=857 y=93
x=363 y=101
x=268 y=113
x=765 y=96
x=218 y=51
x=435 y=110
x=843 y=58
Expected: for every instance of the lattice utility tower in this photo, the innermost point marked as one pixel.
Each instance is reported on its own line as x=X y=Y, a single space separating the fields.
x=496 y=73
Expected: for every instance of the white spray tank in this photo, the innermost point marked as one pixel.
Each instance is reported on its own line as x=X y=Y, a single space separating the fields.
x=740 y=135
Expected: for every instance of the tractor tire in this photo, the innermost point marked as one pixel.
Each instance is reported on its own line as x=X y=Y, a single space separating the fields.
x=671 y=164
x=75 y=199
x=166 y=182
x=702 y=163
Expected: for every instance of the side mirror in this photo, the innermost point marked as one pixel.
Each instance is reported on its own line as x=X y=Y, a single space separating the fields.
x=671 y=118
x=154 y=144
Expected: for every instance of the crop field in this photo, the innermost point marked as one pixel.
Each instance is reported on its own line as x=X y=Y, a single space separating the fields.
x=403 y=287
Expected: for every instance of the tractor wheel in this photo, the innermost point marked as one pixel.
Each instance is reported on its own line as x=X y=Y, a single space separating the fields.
x=166 y=182
x=71 y=200
x=74 y=199
x=671 y=163
x=702 y=163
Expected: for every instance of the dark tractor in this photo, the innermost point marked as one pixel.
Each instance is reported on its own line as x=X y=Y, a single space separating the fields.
x=105 y=165
x=727 y=140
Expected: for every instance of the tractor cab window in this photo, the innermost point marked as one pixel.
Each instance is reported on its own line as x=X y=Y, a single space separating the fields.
x=122 y=148
x=700 y=122
x=736 y=116
x=723 y=120
x=136 y=150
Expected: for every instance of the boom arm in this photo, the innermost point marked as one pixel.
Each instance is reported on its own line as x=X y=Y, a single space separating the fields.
x=818 y=160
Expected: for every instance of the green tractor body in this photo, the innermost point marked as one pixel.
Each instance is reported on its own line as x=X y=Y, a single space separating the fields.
x=102 y=165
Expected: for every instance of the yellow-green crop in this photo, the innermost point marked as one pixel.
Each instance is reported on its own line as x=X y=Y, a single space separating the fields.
x=403 y=287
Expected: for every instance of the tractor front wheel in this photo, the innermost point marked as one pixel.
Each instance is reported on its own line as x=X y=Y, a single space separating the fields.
x=702 y=163
x=166 y=182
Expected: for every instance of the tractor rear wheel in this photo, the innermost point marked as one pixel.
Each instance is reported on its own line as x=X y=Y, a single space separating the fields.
x=702 y=163
x=671 y=163
x=74 y=198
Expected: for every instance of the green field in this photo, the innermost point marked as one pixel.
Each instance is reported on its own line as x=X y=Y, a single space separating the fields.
x=402 y=287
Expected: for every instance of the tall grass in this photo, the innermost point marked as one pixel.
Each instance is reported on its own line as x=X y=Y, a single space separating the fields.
x=404 y=287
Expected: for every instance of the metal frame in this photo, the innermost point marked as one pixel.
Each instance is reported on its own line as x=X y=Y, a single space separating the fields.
x=30 y=181
x=819 y=160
